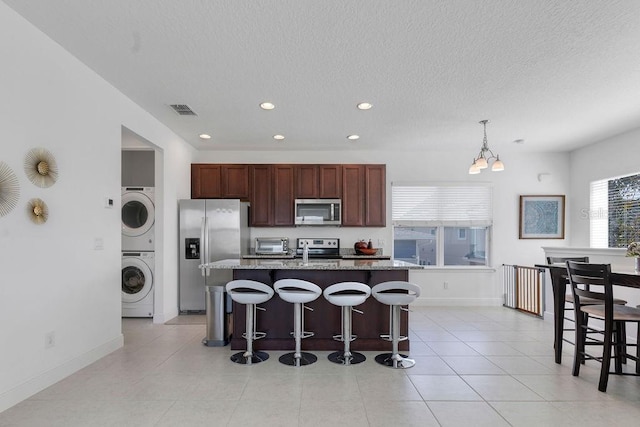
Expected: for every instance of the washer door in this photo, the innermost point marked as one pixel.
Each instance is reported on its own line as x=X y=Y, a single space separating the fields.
x=138 y=214
x=137 y=280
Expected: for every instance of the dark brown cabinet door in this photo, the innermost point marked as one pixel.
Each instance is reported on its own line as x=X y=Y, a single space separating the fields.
x=375 y=195
x=261 y=200
x=330 y=181
x=306 y=178
x=235 y=182
x=206 y=181
x=353 y=195
x=283 y=211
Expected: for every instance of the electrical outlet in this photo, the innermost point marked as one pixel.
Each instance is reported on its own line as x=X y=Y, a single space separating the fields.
x=380 y=243
x=445 y=285
x=49 y=339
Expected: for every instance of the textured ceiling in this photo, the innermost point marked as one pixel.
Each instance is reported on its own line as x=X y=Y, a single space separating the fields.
x=558 y=74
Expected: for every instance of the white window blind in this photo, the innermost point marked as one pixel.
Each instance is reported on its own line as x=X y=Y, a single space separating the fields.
x=598 y=214
x=448 y=205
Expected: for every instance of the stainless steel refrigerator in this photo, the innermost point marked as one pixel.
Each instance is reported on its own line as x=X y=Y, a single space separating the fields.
x=210 y=230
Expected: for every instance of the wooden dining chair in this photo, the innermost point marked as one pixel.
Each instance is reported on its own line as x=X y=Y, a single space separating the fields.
x=593 y=282
x=568 y=298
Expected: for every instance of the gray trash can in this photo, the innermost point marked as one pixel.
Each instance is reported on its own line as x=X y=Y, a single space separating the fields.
x=218 y=307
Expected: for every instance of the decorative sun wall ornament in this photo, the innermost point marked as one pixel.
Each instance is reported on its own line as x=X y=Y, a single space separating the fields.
x=9 y=189
x=40 y=167
x=38 y=211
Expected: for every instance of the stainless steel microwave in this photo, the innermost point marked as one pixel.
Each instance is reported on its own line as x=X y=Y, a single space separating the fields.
x=318 y=211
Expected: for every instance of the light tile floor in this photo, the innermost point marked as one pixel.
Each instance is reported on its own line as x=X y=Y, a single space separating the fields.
x=475 y=367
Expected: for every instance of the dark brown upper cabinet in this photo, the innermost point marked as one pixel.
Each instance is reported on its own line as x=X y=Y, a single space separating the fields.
x=353 y=195
x=261 y=195
x=235 y=182
x=272 y=188
x=283 y=195
x=330 y=181
x=206 y=181
x=307 y=185
x=375 y=190
x=220 y=181
x=318 y=181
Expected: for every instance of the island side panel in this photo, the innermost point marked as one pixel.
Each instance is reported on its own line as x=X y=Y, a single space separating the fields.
x=324 y=321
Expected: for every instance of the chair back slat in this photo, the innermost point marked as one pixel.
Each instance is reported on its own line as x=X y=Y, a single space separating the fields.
x=563 y=260
x=590 y=281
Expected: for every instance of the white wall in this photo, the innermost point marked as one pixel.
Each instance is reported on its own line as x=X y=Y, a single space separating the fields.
x=616 y=156
x=51 y=278
x=465 y=287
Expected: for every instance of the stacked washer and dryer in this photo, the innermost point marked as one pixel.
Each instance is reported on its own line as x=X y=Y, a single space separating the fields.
x=138 y=245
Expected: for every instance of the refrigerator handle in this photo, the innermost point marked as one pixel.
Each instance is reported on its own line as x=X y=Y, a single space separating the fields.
x=203 y=245
x=207 y=258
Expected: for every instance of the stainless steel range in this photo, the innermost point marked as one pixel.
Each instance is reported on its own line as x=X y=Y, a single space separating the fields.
x=319 y=248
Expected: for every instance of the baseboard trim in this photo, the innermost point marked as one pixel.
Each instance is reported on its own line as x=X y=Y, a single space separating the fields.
x=161 y=318
x=458 y=302
x=34 y=385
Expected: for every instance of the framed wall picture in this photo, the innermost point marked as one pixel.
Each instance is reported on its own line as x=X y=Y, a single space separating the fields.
x=541 y=217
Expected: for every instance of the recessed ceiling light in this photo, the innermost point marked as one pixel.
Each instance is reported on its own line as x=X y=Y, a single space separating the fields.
x=353 y=137
x=365 y=106
x=205 y=136
x=278 y=137
x=267 y=106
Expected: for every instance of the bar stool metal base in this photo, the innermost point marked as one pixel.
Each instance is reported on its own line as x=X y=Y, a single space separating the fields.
x=305 y=359
x=338 y=357
x=400 y=361
x=257 y=357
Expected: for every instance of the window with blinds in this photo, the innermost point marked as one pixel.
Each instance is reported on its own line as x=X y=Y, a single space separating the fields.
x=614 y=212
x=441 y=225
x=441 y=205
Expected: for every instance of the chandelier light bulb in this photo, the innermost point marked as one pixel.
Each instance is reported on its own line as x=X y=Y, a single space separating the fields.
x=473 y=169
x=497 y=166
x=481 y=163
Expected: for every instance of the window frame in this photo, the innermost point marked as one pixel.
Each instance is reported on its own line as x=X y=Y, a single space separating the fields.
x=440 y=224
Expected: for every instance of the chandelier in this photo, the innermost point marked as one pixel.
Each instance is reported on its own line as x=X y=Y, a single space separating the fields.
x=485 y=155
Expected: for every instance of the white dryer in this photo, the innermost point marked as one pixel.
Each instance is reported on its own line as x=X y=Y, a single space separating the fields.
x=137 y=284
x=138 y=219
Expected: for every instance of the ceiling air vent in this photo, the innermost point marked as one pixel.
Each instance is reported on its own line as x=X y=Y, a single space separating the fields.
x=183 y=109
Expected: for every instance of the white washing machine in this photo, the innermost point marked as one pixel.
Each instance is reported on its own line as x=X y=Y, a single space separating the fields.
x=138 y=219
x=137 y=284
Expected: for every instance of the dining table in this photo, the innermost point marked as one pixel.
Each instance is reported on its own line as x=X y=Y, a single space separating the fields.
x=558 y=273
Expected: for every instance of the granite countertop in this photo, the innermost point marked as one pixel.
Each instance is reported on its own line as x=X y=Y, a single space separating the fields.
x=291 y=256
x=344 y=254
x=313 y=264
x=266 y=256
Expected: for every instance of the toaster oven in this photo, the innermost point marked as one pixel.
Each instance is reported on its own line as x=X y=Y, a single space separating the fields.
x=272 y=245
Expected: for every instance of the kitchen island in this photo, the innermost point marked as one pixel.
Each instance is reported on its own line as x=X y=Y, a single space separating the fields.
x=324 y=321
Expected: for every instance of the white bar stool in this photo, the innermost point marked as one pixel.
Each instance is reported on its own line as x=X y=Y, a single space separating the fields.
x=395 y=294
x=298 y=292
x=347 y=295
x=250 y=293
